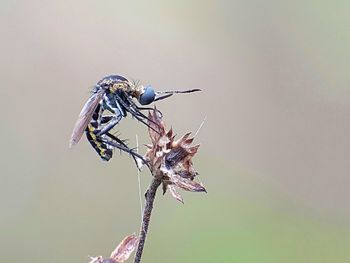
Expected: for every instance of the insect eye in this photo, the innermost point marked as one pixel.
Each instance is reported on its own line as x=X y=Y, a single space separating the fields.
x=147 y=96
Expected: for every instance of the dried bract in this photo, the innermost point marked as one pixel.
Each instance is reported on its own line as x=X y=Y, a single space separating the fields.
x=170 y=159
x=121 y=253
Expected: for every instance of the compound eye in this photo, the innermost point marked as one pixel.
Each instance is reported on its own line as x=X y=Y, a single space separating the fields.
x=147 y=96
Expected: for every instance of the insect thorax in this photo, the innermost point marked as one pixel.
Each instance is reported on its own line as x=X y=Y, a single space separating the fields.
x=114 y=83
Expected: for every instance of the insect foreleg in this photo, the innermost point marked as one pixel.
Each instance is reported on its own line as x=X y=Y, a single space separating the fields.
x=148 y=108
x=137 y=110
x=134 y=112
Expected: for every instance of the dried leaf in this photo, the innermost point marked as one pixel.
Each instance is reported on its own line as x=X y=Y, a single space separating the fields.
x=170 y=133
x=175 y=156
x=186 y=174
x=163 y=141
x=98 y=259
x=175 y=193
x=124 y=249
x=156 y=126
x=165 y=187
x=193 y=150
x=187 y=185
x=148 y=146
x=183 y=139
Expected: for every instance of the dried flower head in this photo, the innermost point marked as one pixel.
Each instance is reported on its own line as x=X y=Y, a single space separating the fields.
x=121 y=253
x=171 y=160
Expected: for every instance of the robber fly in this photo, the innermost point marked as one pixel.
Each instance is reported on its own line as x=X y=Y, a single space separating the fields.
x=114 y=94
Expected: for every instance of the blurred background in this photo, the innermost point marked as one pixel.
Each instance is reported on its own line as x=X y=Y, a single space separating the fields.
x=274 y=152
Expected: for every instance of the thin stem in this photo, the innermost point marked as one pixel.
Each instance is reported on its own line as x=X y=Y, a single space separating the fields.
x=150 y=196
x=139 y=177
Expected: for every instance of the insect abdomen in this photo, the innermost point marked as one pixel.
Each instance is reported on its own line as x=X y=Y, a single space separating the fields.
x=101 y=148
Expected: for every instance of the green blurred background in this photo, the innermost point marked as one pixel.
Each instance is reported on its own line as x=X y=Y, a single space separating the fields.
x=274 y=150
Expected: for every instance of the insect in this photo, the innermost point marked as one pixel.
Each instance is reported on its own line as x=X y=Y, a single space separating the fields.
x=114 y=94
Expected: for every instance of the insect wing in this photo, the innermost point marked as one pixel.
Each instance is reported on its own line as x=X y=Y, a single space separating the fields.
x=85 y=116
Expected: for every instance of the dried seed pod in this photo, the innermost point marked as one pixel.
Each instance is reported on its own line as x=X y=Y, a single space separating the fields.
x=170 y=159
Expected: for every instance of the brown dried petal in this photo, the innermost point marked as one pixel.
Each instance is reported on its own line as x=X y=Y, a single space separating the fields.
x=187 y=185
x=171 y=160
x=186 y=174
x=175 y=156
x=124 y=249
x=163 y=141
x=169 y=134
x=187 y=165
x=156 y=126
x=175 y=193
x=98 y=259
x=164 y=187
x=148 y=146
x=182 y=140
x=193 y=150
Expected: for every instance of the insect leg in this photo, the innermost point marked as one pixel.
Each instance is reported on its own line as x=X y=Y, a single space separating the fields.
x=134 y=112
x=119 y=144
x=137 y=109
x=149 y=109
x=105 y=119
x=114 y=120
x=122 y=142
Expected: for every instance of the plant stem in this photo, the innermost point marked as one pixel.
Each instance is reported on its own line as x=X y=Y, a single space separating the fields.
x=150 y=196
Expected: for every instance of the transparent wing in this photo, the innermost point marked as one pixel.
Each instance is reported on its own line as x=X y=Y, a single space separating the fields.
x=85 y=116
